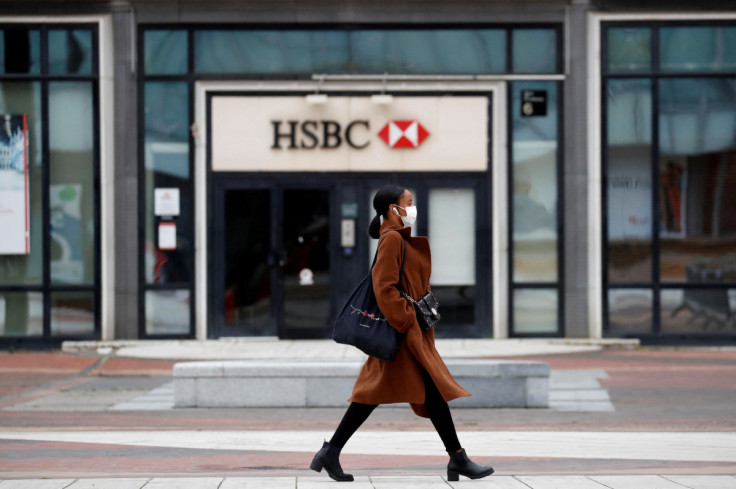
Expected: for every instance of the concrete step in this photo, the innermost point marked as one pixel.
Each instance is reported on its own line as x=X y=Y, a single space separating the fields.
x=328 y=383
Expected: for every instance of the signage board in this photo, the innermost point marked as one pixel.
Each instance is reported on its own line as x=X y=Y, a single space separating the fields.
x=14 y=191
x=287 y=133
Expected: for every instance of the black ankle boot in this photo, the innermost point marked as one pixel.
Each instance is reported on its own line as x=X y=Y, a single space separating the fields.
x=329 y=458
x=461 y=464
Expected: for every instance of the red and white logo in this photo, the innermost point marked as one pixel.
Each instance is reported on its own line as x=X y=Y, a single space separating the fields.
x=403 y=134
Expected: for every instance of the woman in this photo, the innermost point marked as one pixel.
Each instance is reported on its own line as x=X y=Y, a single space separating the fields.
x=417 y=375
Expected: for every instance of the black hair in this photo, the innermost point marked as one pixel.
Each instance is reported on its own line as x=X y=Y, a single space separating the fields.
x=386 y=195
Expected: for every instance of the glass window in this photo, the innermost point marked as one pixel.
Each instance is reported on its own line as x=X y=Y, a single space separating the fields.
x=165 y=52
x=20 y=51
x=629 y=311
x=21 y=314
x=535 y=311
x=629 y=180
x=452 y=229
x=72 y=313
x=72 y=185
x=167 y=166
x=697 y=48
x=629 y=49
x=168 y=312
x=270 y=51
x=19 y=98
x=428 y=51
x=698 y=310
x=697 y=168
x=534 y=51
x=534 y=171
x=70 y=51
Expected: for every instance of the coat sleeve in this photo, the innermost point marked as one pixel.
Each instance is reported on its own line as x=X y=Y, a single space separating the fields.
x=398 y=311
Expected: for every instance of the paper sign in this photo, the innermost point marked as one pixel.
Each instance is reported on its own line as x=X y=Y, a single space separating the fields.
x=166 y=201
x=166 y=236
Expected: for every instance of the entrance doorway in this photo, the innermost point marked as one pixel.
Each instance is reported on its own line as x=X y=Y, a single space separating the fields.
x=273 y=263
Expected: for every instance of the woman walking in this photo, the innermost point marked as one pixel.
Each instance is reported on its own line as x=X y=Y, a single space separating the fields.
x=417 y=375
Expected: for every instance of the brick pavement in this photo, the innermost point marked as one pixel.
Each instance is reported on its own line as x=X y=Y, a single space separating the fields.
x=652 y=391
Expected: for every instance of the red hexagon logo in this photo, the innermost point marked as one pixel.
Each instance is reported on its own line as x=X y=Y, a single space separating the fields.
x=403 y=134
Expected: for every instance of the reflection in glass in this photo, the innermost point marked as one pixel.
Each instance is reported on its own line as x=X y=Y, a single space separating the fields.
x=70 y=51
x=247 y=252
x=260 y=51
x=535 y=311
x=72 y=313
x=428 y=51
x=697 y=170
x=629 y=180
x=535 y=51
x=306 y=271
x=167 y=166
x=697 y=48
x=452 y=229
x=21 y=314
x=25 y=98
x=20 y=51
x=629 y=311
x=167 y=312
x=698 y=310
x=629 y=49
x=165 y=52
x=71 y=189
x=534 y=149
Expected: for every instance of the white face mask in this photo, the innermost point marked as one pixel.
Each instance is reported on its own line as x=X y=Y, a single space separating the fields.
x=411 y=215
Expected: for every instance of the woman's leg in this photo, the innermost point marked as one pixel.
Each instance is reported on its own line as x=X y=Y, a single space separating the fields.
x=439 y=414
x=356 y=414
x=328 y=457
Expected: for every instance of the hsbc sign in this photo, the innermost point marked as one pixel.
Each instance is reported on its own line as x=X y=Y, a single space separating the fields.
x=327 y=134
x=413 y=133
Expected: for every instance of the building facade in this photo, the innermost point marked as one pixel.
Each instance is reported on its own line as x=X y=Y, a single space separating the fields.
x=189 y=169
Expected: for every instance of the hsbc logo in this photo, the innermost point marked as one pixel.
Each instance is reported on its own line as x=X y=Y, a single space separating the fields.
x=403 y=134
x=330 y=134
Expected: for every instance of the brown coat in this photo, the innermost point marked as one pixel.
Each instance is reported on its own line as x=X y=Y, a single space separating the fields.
x=382 y=382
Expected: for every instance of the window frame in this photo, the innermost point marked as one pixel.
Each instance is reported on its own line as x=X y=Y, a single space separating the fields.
x=46 y=286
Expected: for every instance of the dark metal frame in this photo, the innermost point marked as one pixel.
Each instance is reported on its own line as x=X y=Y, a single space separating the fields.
x=655 y=285
x=558 y=285
x=46 y=287
x=191 y=77
x=342 y=271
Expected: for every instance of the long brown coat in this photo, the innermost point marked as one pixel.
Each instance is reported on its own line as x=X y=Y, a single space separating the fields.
x=382 y=382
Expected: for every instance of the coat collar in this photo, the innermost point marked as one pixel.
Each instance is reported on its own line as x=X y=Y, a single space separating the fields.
x=390 y=226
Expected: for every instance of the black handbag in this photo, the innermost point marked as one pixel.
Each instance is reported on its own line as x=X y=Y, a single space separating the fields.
x=427 y=309
x=362 y=324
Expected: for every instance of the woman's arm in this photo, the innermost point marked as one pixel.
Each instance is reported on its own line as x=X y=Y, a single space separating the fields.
x=399 y=312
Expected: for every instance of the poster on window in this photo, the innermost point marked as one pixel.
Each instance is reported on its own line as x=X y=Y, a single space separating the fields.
x=14 y=238
x=67 y=262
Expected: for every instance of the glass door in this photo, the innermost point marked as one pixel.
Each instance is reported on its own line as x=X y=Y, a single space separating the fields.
x=272 y=270
x=305 y=270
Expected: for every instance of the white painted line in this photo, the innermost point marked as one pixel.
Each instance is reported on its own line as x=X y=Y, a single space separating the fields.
x=674 y=446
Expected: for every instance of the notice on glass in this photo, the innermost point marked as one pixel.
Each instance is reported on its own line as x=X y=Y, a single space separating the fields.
x=166 y=201
x=166 y=236
x=14 y=218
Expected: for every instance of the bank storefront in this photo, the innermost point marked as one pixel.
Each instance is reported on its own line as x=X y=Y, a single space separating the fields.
x=212 y=177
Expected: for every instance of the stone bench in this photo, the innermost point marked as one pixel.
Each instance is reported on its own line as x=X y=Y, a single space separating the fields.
x=328 y=383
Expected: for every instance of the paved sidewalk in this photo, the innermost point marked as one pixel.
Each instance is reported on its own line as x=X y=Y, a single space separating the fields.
x=389 y=482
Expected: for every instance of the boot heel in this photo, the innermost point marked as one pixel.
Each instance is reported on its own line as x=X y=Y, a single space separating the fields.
x=316 y=465
x=453 y=476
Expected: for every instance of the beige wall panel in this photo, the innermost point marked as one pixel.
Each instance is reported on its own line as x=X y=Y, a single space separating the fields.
x=243 y=134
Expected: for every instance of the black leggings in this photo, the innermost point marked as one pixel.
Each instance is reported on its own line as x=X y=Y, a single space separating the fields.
x=439 y=414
